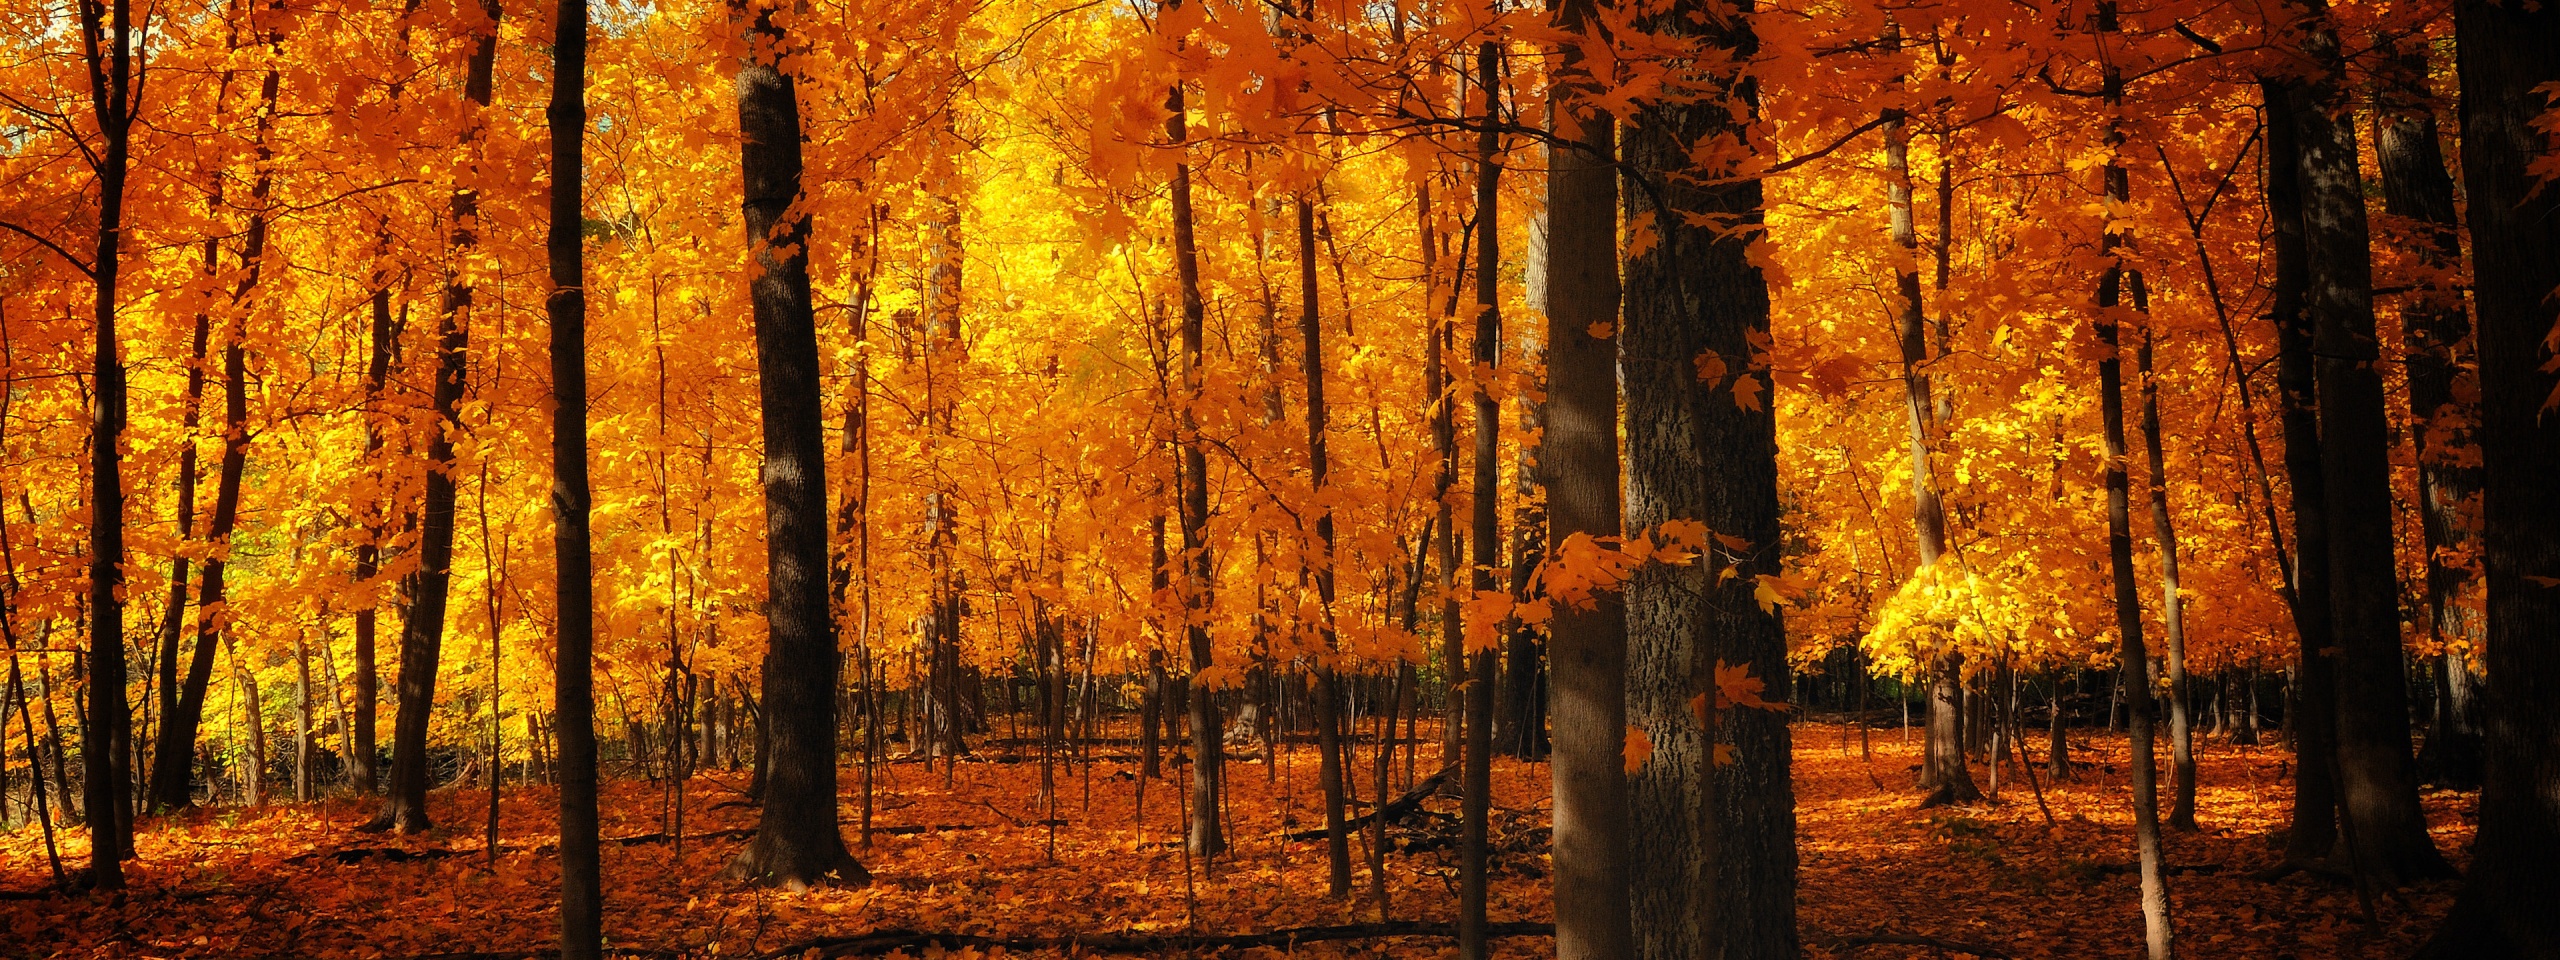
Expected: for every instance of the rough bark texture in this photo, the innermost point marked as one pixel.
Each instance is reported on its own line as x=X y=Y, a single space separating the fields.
x=2312 y=716
x=1715 y=873
x=573 y=676
x=2505 y=909
x=1484 y=494
x=2436 y=335
x=2377 y=781
x=422 y=636
x=797 y=844
x=1587 y=646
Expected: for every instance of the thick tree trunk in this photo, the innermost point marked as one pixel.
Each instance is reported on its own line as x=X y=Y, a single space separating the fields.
x=797 y=845
x=2182 y=745
x=1587 y=643
x=2436 y=333
x=2508 y=55
x=2377 y=782
x=1714 y=875
x=422 y=636
x=2311 y=716
x=573 y=667
x=2133 y=660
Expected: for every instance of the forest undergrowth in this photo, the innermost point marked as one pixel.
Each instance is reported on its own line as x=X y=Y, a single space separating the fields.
x=972 y=855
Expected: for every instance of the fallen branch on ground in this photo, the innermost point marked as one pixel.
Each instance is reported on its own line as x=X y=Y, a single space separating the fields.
x=1396 y=809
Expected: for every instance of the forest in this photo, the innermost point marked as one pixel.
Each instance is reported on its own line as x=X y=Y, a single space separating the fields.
x=1662 y=479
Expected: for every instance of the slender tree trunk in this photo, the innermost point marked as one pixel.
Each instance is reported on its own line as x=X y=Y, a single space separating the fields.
x=2132 y=658
x=573 y=667
x=422 y=636
x=2508 y=57
x=106 y=33
x=1475 y=808
x=1200 y=571
x=2436 y=333
x=1715 y=870
x=2182 y=748
x=1579 y=467
x=797 y=844
x=1337 y=841
x=2377 y=782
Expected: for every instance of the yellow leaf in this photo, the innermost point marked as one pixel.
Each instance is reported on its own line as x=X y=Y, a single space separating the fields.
x=1639 y=749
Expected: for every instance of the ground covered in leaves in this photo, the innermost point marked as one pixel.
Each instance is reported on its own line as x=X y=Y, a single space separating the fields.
x=968 y=849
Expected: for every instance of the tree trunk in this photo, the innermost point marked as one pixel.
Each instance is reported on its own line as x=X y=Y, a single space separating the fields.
x=797 y=845
x=1475 y=808
x=2133 y=660
x=422 y=636
x=107 y=732
x=2311 y=716
x=2182 y=747
x=1579 y=467
x=2377 y=782
x=573 y=666
x=1337 y=841
x=2436 y=334
x=2507 y=55
x=1200 y=571
x=1715 y=873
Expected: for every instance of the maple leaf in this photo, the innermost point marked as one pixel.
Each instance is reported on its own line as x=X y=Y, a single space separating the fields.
x=1639 y=748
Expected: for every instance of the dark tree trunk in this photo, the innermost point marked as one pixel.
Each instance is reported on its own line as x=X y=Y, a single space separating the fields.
x=106 y=735
x=2377 y=782
x=1475 y=808
x=1587 y=700
x=573 y=676
x=2436 y=334
x=2132 y=659
x=1337 y=841
x=1520 y=722
x=422 y=636
x=797 y=845
x=2311 y=714
x=172 y=776
x=2507 y=55
x=1715 y=872
x=1207 y=837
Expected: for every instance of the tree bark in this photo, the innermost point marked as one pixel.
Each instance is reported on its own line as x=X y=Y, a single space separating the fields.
x=1207 y=838
x=106 y=34
x=1587 y=645
x=2508 y=54
x=422 y=636
x=1337 y=841
x=797 y=845
x=573 y=666
x=1475 y=808
x=1715 y=874
x=2312 y=715
x=2441 y=373
x=2377 y=782
x=2164 y=532
x=2134 y=661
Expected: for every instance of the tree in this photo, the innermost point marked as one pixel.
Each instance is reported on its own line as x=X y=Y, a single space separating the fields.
x=2508 y=56
x=1715 y=873
x=107 y=39
x=404 y=805
x=2133 y=661
x=2377 y=783
x=1477 y=777
x=573 y=679
x=1207 y=836
x=1587 y=643
x=797 y=845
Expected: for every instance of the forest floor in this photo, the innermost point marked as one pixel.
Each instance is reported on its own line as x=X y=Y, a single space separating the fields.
x=298 y=881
